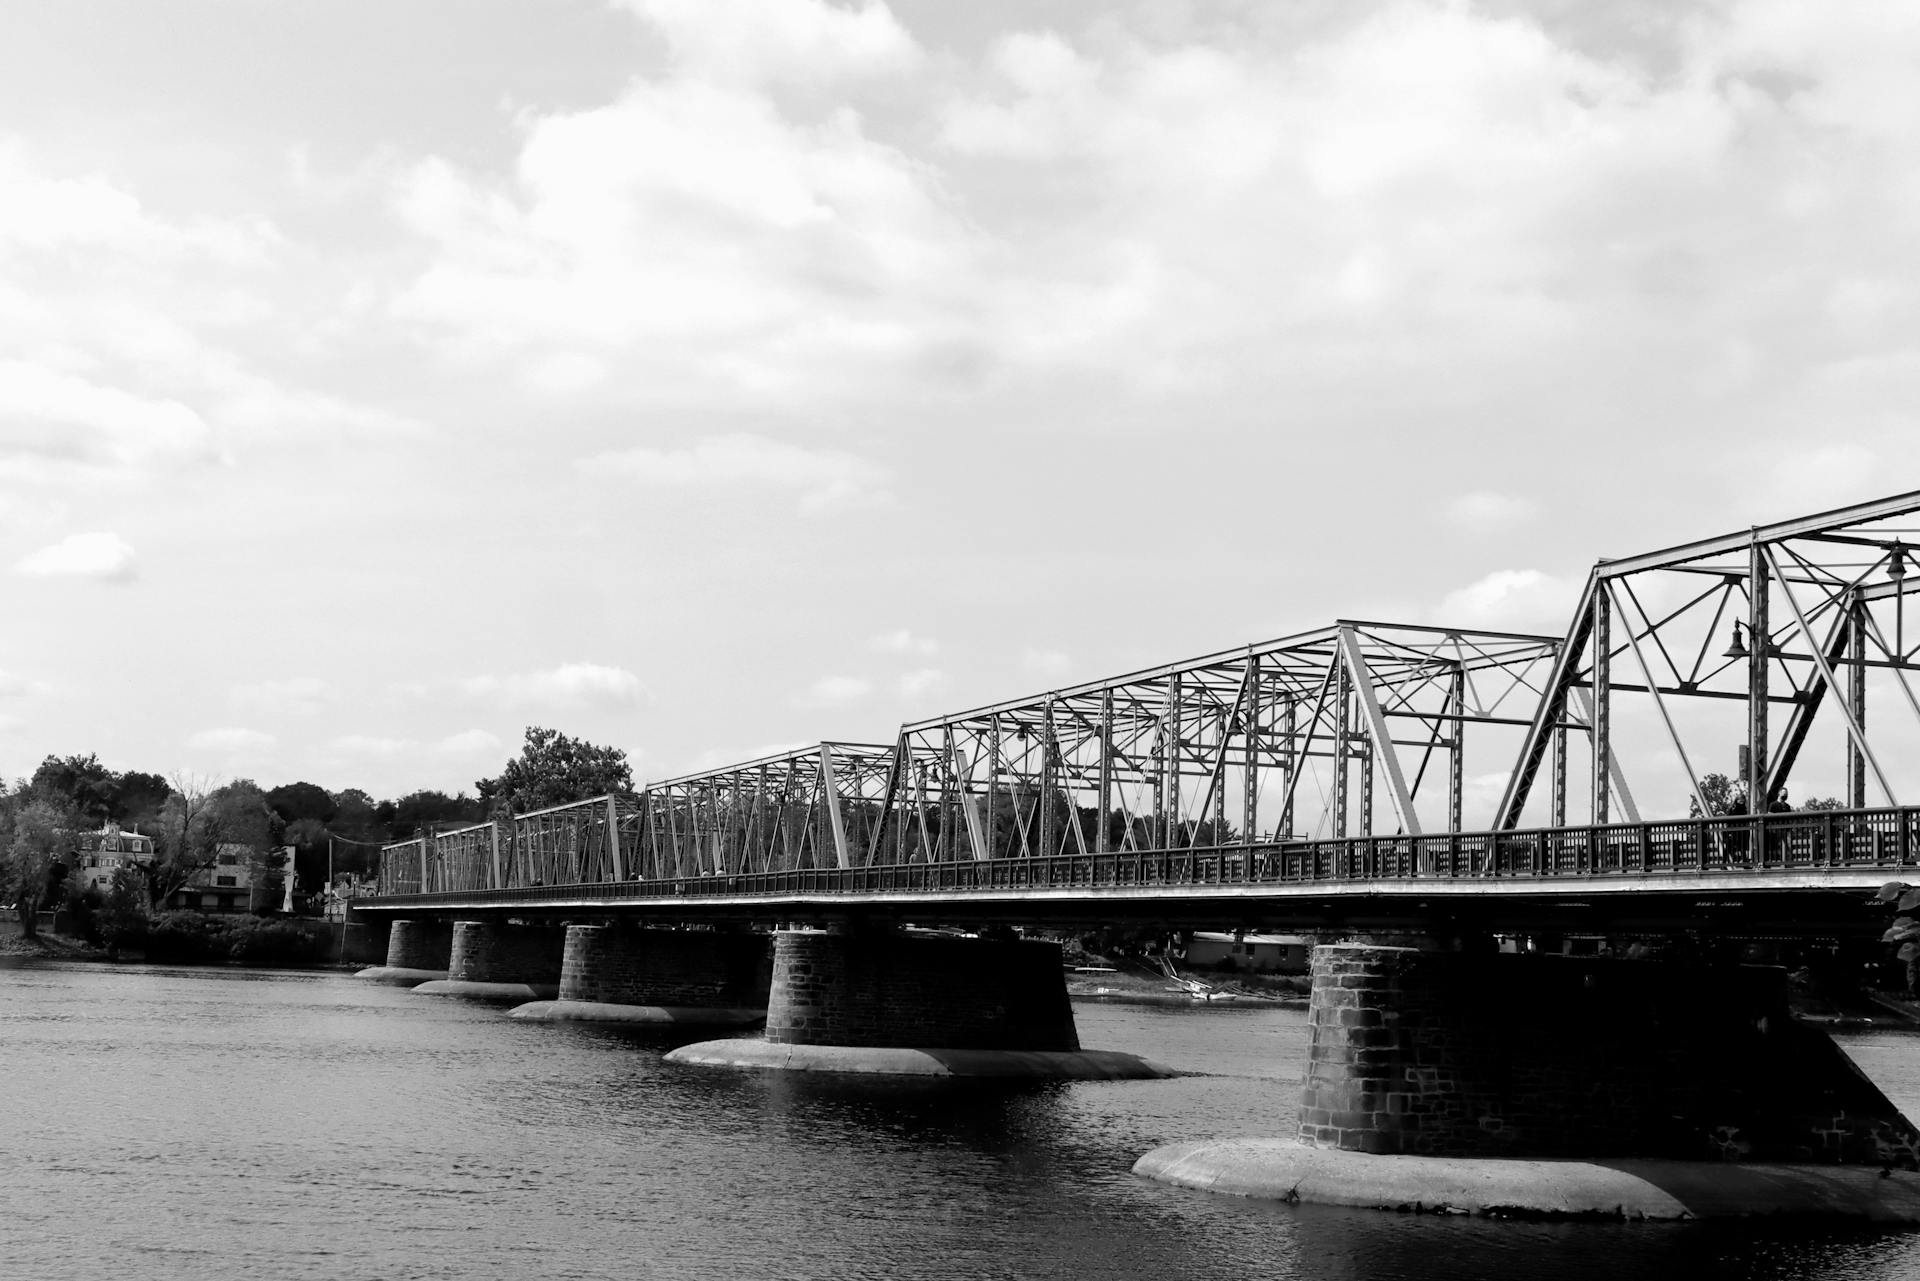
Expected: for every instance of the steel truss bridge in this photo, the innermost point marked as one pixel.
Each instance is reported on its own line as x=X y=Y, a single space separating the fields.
x=1326 y=776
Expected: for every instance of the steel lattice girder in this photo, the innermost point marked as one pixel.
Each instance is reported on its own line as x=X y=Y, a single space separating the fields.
x=1160 y=753
x=1829 y=610
x=813 y=807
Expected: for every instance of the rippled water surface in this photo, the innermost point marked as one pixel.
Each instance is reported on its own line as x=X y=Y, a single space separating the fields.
x=214 y=1124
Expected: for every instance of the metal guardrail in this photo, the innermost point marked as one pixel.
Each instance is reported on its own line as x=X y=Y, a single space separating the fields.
x=1887 y=839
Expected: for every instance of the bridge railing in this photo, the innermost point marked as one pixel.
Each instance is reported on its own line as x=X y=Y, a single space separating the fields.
x=1756 y=845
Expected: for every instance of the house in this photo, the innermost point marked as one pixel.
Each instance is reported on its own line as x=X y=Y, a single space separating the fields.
x=232 y=884
x=1255 y=953
x=98 y=855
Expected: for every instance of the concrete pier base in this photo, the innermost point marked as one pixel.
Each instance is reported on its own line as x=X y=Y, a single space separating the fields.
x=622 y=974
x=501 y=961
x=906 y=1005
x=1622 y=1188
x=1033 y=1065
x=417 y=952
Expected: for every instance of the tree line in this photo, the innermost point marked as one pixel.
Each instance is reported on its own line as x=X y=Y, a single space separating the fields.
x=191 y=818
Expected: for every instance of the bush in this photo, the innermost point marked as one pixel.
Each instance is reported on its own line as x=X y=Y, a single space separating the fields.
x=192 y=938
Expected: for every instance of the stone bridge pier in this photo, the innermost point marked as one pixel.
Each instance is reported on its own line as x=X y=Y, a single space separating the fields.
x=877 y=1000
x=417 y=952
x=1561 y=1085
x=501 y=961
x=626 y=974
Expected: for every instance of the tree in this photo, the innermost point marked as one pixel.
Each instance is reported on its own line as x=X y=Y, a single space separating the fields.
x=296 y=801
x=187 y=839
x=77 y=783
x=553 y=769
x=138 y=798
x=35 y=867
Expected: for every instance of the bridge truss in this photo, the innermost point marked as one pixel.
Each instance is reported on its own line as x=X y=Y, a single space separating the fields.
x=1760 y=640
x=1333 y=732
x=1351 y=750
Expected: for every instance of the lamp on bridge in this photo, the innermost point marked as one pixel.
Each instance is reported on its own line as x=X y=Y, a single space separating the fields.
x=1897 y=563
x=1738 y=649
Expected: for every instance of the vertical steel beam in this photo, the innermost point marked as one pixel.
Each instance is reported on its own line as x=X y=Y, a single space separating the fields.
x=1456 y=762
x=1290 y=762
x=1100 y=845
x=1047 y=779
x=992 y=820
x=1342 y=748
x=1857 y=698
x=493 y=833
x=1600 y=706
x=1250 y=744
x=1560 y=776
x=1759 y=665
x=426 y=843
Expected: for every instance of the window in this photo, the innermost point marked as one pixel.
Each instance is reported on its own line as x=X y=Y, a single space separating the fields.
x=227 y=860
x=225 y=880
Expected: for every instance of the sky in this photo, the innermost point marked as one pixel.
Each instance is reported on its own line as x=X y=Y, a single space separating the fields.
x=703 y=377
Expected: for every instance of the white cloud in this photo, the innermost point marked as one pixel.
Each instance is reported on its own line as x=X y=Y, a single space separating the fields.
x=922 y=682
x=370 y=747
x=903 y=642
x=101 y=555
x=231 y=740
x=1486 y=512
x=568 y=685
x=835 y=691
x=299 y=696
x=50 y=416
x=797 y=41
x=720 y=757
x=473 y=742
x=1512 y=600
x=821 y=479
x=12 y=686
x=1047 y=664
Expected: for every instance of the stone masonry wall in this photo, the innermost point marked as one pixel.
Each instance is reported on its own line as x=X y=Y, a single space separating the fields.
x=419 y=945
x=497 y=952
x=1485 y=1055
x=928 y=993
x=621 y=965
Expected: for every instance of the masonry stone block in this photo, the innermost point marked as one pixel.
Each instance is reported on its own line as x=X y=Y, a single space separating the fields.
x=901 y=990
x=419 y=945
x=503 y=952
x=704 y=969
x=1483 y=1055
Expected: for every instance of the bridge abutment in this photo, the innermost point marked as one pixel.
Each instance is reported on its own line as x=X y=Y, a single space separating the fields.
x=417 y=952
x=916 y=1005
x=622 y=974
x=502 y=960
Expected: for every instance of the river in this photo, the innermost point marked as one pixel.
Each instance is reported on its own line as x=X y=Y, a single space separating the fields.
x=169 y=1123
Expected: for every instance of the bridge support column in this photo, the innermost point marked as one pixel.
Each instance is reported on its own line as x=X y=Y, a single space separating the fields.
x=417 y=952
x=502 y=961
x=918 y=1005
x=1446 y=1054
x=1447 y=1078
x=622 y=974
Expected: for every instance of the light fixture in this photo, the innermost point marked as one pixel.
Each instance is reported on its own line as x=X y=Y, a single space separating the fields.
x=1897 y=563
x=1738 y=649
